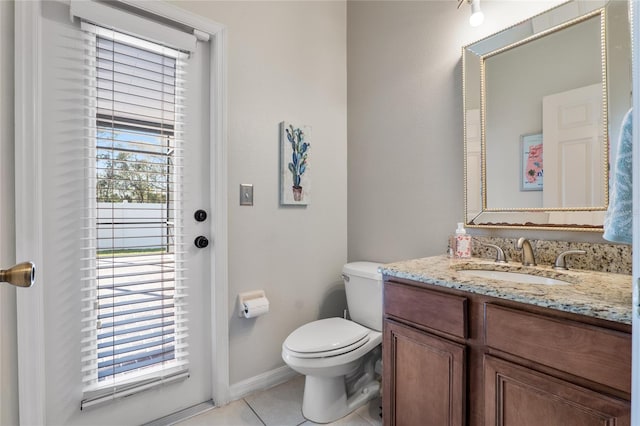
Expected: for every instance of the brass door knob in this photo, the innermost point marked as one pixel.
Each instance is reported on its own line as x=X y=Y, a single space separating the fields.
x=21 y=275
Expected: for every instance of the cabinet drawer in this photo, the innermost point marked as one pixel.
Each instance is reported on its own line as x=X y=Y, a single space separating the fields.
x=431 y=309
x=594 y=353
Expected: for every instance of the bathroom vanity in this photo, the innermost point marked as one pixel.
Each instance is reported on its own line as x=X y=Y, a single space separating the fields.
x=464 y=350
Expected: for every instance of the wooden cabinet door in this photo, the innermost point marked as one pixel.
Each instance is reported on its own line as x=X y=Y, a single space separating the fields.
x=424 y=378
x=518 y=396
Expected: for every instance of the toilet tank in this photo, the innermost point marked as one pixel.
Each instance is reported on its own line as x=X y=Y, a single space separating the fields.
x=363 y=285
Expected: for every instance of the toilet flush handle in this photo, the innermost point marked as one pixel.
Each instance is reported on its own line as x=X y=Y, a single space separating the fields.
x=345 y=277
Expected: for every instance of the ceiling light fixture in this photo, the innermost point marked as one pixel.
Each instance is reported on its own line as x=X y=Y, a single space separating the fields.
x=477 y=16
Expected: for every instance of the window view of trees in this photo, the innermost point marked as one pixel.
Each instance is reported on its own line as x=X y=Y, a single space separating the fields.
x=132 y=168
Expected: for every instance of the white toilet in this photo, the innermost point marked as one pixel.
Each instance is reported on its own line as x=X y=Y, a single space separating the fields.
x=339 y=356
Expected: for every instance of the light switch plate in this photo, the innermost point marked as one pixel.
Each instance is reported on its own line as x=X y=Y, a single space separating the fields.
x=246 y=194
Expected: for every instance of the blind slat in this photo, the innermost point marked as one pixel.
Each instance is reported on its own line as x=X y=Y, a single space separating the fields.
x=141 y=337
x=121 y=285
x=142 y=362
x=107 y=121
x=118 y=293
x=167 y=263
x=115 y=61
x=134 y=320
x=133 y=302
x=134 y=311
x=125 y=49
x=134 y=129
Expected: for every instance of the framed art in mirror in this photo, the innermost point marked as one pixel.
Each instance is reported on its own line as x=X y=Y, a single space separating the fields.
x=531 y=162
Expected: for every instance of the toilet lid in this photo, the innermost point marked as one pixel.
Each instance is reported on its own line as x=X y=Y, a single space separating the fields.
x=327 y=337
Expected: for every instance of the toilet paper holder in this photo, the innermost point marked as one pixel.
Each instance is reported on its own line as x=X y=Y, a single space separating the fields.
x=246 y=296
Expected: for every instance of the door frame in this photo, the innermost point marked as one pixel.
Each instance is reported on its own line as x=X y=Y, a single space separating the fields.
x=28 y=204
x=8 y=336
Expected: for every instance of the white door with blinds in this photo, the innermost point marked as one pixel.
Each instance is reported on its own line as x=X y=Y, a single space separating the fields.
x=125 y=165
x=135 y=314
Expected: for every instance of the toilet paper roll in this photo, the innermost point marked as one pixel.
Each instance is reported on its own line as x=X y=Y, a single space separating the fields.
x=255 y=307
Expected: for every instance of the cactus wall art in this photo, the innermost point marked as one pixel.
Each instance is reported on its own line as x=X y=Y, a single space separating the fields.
x=295 y=147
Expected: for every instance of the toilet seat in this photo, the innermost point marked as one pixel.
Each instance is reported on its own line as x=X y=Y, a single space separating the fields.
x=326 y=338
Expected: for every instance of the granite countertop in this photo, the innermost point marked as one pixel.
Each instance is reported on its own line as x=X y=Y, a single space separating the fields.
x=602 y=295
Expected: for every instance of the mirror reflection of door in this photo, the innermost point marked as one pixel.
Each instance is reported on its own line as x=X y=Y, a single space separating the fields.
x=573 y=141
x=516 y=81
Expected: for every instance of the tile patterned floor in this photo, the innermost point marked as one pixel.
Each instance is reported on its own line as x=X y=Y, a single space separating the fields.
x=278 y=406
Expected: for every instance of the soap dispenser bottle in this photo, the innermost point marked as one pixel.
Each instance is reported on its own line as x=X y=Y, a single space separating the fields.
x=462 y=242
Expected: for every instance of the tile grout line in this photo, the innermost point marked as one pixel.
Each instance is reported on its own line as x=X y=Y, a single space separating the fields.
x=370 y=419
x=254 y=411
x=363 y=418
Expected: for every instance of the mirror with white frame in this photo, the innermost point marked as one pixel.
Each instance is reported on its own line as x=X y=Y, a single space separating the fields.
x=543 y=103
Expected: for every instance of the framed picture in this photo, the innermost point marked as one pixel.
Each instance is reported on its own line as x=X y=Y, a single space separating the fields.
x=531 y=167
x=295 y=160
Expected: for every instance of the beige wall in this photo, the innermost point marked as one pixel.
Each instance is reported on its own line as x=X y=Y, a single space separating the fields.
x=405 y=123
x=286 y=61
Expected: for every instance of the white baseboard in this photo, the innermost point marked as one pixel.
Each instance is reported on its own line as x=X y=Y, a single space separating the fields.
x=260 y=382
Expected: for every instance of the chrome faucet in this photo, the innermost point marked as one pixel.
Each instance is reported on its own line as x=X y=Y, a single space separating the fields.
x=561 y=262
x=528 y=258
x=500 y=256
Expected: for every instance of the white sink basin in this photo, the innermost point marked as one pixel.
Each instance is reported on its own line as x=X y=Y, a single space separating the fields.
x=517 y=277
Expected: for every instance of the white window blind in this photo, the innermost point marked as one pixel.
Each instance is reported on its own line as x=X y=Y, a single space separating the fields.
x=134 y=301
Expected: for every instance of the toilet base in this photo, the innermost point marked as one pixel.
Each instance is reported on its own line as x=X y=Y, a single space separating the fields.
x=325 y=398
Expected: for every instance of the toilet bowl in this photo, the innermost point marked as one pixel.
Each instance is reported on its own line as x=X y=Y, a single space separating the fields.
x=341 y=358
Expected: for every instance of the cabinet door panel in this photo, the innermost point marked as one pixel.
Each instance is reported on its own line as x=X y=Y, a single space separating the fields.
x=424 y=378
x=517 y=396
